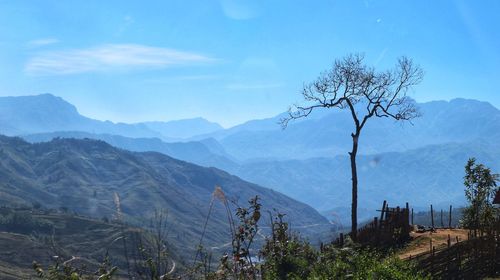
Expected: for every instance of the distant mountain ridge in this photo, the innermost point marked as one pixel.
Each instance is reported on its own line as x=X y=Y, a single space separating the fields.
x=328 y=133
x=206 y=153
x=324 y=134
x=183 y=129
x=45 y=113
x=307 y=160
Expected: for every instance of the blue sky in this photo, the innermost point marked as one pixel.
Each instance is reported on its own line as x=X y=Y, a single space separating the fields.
x=235 y=60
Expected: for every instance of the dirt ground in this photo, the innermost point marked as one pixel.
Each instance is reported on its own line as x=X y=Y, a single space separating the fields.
x=421 y=241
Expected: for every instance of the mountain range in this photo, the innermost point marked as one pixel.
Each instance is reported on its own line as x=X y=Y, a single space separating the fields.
x=420 y=162
x=48 y=113
x=327 y=133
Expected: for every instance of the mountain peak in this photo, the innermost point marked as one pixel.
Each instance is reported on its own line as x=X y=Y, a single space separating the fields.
x=21 y=115
x=44 y=101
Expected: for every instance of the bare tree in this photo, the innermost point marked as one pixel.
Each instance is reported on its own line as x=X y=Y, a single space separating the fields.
x=366 y=93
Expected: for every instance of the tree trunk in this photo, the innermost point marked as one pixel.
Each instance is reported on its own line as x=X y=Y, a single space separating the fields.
x=354 y=207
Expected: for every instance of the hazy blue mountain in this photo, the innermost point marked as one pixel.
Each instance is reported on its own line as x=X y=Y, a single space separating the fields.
x=308 y=160
x=328 y=133
x=182 y=129
x=48 y=113
x=431 y=174
x=206 y=153
x=266 y=124
x=324 y=134
x=84 y=175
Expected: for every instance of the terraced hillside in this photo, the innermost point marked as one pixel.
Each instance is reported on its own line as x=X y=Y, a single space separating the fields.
x=27 y=236
x=92 y=178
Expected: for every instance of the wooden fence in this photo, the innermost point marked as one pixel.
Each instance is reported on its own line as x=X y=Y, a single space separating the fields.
x=393 y=227
x=475 y=258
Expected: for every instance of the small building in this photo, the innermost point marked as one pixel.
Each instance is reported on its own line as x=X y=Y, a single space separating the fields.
x=496 y=200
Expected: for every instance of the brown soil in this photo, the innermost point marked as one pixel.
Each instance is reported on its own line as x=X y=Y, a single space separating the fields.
x=420 y=242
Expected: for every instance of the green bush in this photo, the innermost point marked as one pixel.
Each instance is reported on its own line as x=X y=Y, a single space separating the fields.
x=288 y=257
x=480 y=189
x=363 y=264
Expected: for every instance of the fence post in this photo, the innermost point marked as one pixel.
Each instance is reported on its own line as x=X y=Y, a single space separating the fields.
x=386 y=211
x=442 y=224
x=382 y=214
x=412 y=216
x=449 y=219
x=407 y=218
x=432 y=217
x=449 y=241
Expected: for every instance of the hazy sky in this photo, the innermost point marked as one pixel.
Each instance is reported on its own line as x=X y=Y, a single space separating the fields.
x=234 y=60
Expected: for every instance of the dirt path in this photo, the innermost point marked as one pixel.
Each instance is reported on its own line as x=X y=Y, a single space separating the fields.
x=421 y=241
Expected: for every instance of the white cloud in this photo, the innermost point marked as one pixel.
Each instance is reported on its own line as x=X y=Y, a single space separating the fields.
x=110 y=57
x=42 y=42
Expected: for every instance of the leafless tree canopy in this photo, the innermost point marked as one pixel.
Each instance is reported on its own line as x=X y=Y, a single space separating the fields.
x=350 y=82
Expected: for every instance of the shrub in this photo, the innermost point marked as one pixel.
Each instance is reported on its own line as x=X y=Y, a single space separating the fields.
x=480 y=188
x=288 y=257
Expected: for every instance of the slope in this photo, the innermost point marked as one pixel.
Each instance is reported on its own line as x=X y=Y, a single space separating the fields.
x=28 y=235
x=85 y=175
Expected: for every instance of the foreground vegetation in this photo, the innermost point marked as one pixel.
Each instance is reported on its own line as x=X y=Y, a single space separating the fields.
x=283 y=256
